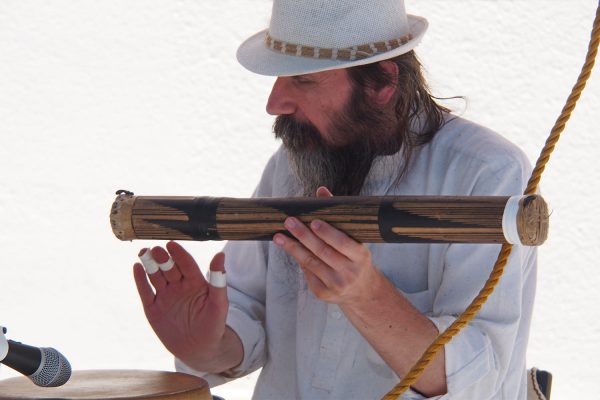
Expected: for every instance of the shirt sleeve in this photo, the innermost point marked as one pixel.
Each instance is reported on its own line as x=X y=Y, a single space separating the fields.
x=479 y=357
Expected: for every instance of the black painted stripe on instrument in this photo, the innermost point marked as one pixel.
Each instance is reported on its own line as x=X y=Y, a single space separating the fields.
x=390 y=216
x=202 y=214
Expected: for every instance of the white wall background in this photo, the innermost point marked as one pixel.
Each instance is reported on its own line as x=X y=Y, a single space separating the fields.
x=147 y=95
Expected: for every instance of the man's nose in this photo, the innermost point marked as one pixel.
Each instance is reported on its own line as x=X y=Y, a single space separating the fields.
x=281 y=101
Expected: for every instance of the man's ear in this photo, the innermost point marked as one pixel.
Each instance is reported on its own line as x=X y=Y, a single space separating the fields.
x=385 y=94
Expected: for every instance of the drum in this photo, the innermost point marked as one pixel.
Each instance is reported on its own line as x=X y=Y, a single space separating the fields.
x=112 y=385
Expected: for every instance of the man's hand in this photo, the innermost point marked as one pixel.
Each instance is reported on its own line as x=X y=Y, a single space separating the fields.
x=340 y=270
x=186 y=312
x=337 y=268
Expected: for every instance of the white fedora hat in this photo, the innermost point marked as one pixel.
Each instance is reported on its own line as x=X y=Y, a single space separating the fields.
x=307 y=36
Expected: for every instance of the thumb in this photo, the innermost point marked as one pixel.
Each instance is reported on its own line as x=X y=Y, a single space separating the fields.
x=322 y=191
x=217 y=292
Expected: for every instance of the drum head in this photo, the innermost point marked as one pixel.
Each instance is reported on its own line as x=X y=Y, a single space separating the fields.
x=112 y=385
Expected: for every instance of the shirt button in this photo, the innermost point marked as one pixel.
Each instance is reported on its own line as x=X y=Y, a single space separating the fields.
x=336 y=314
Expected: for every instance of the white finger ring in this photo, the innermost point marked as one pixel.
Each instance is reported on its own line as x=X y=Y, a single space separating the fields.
x=217 y=279
x=167 y=265
x=148 y=262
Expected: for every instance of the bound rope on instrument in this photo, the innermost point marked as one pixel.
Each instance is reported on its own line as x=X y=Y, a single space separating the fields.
x=532 y=187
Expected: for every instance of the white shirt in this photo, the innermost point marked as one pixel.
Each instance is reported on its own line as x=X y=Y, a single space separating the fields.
x=309 y=350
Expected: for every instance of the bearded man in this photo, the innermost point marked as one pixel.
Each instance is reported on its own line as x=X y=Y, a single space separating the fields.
x=324 y=316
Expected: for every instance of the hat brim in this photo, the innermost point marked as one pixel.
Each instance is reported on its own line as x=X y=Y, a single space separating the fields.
x=256 y=57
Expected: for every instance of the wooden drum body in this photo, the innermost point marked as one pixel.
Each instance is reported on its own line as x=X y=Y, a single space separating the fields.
x=112 y=385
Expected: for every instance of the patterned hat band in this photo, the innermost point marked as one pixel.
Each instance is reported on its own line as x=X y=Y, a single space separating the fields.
x=344 y=54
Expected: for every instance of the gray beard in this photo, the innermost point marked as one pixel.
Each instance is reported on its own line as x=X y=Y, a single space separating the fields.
x=313 y=170
x=342 y=172
x=342 y=169
x=365 y=132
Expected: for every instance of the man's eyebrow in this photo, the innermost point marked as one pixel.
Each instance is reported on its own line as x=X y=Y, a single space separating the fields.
x=307 y=78
x=303 y=77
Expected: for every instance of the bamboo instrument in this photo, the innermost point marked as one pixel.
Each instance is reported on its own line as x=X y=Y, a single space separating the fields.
x=392 y=219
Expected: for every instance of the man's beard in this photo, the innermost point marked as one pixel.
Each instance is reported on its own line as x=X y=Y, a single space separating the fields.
x=364 y=132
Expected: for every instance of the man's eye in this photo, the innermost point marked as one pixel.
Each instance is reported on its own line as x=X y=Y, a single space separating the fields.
x=303 y=80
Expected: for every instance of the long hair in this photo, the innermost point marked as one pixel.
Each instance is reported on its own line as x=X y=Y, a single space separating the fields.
x=419 y=116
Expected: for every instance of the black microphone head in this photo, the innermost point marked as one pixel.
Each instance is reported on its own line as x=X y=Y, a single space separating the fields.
x=54 y=369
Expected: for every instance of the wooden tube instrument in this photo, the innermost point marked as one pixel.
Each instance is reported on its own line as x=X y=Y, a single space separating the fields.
x=392 y=219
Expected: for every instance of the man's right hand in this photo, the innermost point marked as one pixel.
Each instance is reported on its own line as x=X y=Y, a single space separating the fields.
x=187 y=313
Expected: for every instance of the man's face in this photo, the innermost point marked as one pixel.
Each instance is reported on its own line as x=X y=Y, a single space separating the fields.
x=331 y=130
x=313 y=99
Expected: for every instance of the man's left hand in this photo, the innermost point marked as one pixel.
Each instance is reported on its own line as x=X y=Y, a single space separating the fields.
x=337 y=268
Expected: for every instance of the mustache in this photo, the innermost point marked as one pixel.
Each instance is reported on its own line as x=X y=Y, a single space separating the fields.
x=296 y=135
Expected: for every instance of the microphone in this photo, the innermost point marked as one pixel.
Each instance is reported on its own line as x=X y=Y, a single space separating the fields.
x=45 y=366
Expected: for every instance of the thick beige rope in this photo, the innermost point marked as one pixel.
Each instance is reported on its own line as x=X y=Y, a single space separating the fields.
x=532 y=186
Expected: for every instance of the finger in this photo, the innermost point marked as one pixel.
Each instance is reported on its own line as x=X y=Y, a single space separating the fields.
x=338 y=240
x=148 y=261
x=184 y=260
x=316 y=285
x=322 y=191
x=151 y=267
x=216 y=273
x=143 y=286
x=167 y=266
x=315 y=244
x=217 y=293
x=305 y=258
